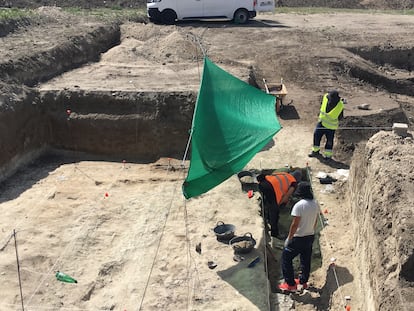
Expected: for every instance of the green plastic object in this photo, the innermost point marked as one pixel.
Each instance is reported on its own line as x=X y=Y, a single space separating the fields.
x=232 y=122
x=65 y=278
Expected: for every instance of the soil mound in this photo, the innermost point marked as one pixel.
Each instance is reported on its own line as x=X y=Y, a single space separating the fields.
x=382 y=184
x=174 y=46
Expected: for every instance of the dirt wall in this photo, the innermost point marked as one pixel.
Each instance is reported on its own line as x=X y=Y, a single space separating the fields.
x=361 y=131
x=78 y=50
x=381 y=207
x=142 y=126
x=22 y=130
x=125 y=125
x=120 y=124
x=399 y=57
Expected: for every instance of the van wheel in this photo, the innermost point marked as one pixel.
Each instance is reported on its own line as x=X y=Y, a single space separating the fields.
x=168 y=17
x=241 y=16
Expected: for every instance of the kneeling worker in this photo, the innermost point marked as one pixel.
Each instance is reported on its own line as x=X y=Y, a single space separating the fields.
x=276 y=190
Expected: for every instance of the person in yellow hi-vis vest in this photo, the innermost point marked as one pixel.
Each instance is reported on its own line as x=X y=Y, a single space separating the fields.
x=330 y=113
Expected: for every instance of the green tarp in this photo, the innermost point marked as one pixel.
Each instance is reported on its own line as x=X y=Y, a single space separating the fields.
x=232 y=122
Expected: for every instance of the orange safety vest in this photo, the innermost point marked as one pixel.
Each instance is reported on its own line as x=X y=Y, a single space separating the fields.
x=281 y=182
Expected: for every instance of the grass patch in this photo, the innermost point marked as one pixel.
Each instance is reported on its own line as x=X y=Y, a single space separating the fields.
x=110 y=14
x=321 y=10
x=105 y=14
x=7 y=14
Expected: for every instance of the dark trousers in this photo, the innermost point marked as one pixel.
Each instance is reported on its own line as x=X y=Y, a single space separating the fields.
x=299 y=246
x=272 y=217
x=319 y=132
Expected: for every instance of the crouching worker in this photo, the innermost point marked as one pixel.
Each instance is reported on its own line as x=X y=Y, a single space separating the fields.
x=300 y=239
x=276 y=190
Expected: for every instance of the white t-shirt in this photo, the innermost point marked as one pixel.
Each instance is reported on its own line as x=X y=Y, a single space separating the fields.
x=308 y=211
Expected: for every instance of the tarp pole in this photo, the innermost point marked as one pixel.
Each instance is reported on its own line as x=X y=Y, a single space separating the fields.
x=192 y=121
x=18 y=268
x=188 y=145
x=266 y=266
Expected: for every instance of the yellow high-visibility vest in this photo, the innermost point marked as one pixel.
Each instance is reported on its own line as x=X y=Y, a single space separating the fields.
x=330 y=119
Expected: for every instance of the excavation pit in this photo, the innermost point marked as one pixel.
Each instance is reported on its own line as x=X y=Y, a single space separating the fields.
x=110 y=217
x=385 y=67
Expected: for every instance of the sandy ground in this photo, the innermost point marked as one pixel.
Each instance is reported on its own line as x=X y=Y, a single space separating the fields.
x=124 y=230
x=127 y=235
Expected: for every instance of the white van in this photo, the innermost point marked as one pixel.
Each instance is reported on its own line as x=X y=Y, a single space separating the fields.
x=168 y=11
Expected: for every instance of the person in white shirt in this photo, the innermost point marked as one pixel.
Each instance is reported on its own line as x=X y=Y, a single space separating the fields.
x=300 y=239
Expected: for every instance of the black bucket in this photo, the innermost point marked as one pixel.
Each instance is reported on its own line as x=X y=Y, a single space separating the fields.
x=248 y=181
x=224 y=232
x=243 y=244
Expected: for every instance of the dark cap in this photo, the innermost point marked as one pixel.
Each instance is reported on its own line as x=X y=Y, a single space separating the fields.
x=304 y=190
x=333 y=95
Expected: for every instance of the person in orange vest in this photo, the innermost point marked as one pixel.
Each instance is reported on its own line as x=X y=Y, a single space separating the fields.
x=276 y=190
x=331 y=111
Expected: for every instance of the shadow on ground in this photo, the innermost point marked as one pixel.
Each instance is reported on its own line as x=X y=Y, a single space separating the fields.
x=256 y=23
x=333 y=163
x=28 y=175
x=289 y=112
x=323 y=302
x=240 y=277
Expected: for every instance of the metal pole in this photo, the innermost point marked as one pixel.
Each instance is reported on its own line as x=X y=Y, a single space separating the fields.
x=18 y=268
x=266 y=267
x=265 y=84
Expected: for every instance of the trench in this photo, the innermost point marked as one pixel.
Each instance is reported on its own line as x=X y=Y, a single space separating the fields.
x=401 y=58
x=389 y=67
x=144 y=126
x=127 y=125
x=248 y=183
x=385 y=67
